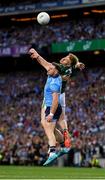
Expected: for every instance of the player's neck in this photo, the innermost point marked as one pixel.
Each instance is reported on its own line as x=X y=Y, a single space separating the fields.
x=56 y=74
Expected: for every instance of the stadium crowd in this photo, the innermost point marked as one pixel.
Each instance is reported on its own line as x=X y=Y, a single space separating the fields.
x=84 y=29
x=7 y=3
x=11 y=3
x=22 y=139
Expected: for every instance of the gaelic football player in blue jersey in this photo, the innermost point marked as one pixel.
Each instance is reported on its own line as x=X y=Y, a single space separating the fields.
x=65 y=69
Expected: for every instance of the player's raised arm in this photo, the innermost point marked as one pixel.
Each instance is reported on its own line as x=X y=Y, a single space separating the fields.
x=36 y=56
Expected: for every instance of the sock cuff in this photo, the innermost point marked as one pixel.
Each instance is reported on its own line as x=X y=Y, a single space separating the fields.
x=52 y=148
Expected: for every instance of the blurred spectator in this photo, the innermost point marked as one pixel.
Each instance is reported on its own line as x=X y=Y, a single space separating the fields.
x=84 y=29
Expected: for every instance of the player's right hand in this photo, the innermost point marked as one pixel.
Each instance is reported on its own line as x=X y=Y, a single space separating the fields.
x=80 y=65
x=49 y=118
x=33 y=53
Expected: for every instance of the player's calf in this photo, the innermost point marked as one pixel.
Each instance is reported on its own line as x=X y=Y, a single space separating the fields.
x=67 y=139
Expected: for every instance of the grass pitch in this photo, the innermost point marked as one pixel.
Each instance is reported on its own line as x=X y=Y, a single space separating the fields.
x=32 y=173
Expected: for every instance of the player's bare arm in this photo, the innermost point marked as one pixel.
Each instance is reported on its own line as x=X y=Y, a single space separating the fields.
x=36 y=56
x=53 y=107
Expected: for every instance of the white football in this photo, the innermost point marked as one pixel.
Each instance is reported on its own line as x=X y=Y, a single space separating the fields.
x=43 y=18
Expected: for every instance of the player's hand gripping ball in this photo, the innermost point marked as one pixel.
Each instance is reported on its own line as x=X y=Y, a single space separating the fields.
x=43 y=18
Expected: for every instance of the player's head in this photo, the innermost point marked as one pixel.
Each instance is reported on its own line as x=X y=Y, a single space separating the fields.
x=52 y=71
x=69 y=60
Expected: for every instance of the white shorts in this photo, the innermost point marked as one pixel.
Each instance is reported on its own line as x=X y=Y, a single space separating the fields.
x=62 y=101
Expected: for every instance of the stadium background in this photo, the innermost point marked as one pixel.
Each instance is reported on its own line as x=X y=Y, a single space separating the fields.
x=77 y=26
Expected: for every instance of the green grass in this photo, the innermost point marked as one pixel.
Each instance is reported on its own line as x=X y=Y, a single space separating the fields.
x=28 y=172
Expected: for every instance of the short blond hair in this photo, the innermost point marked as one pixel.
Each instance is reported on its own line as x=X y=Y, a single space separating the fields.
x=74 y=59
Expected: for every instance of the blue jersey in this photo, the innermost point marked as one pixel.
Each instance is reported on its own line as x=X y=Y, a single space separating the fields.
x=53 y=84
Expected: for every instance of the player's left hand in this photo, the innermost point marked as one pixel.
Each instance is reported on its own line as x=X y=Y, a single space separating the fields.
x=80 y=65
x=49 y=118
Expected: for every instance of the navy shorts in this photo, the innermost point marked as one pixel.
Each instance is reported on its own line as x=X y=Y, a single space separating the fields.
x=57 y=113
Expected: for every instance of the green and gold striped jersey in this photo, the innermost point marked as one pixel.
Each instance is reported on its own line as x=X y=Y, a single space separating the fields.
x=63 y=71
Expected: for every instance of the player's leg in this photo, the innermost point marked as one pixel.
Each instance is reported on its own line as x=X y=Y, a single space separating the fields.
x=63 y=123
x=62 y=120
x=49 y=131
x=43 y=115
x=59 y=137
x=49 y=128
x=66 y=141
x=58 y=134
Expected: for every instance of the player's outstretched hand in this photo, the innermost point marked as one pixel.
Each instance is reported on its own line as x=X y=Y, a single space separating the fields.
x=33 y=53
x=80 y=65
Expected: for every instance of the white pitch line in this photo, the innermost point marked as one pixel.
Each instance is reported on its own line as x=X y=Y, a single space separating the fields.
x=53 y=179
x=5 y=177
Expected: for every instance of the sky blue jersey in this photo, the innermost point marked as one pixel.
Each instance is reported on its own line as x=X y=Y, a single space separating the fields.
x=53 y=84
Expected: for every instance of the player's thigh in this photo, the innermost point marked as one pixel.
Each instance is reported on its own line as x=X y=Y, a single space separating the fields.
x=43 y=116
x=42 y=113
x=62 y=102
x=47 y=126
